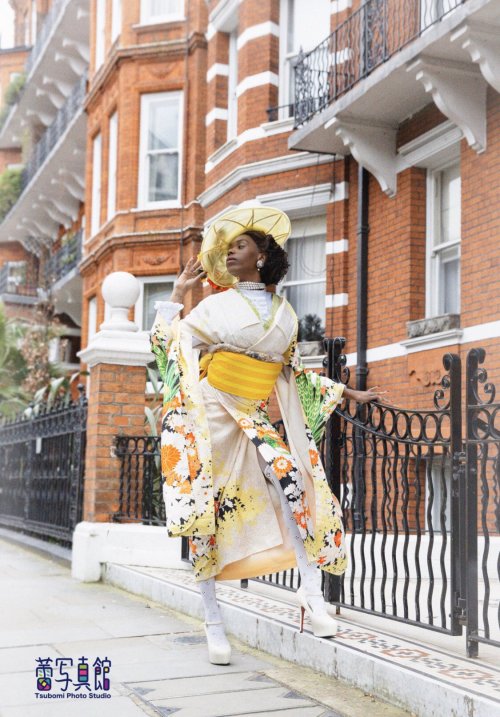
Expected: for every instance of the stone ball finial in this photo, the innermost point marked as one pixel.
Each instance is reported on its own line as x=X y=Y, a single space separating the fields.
x=120 y=291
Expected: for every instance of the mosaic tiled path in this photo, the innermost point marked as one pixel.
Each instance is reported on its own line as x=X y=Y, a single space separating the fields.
x=474 y=676
x=158 y=658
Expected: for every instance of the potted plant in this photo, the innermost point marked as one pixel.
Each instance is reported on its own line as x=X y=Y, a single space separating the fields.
x=310 y=335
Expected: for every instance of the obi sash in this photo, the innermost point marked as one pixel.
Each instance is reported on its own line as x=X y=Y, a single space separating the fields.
x=240 y=374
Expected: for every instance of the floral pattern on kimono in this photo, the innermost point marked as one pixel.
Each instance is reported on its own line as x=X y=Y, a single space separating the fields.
x=241 y=521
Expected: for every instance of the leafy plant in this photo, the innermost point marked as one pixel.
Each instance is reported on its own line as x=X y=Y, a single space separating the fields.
x=310 y=328
x=13 y=368
x=10 y=189
x=12 y=95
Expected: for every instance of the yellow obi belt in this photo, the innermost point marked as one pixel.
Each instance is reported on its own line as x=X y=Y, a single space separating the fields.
x=240 y=374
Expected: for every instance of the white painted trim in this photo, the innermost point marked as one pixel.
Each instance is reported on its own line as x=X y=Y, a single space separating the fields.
x=223 y=15
x=139 y=304
x=211 y=32
x=218 y=68
x=440 y=144
x=256 y=31
x=286 y=163
x=278 y=127
x=332 y=301
x=479 y=332
x=311 y=198
x=337 y=247
x=259 y=80
x=217 y=113
x=433 y=341
x=340 y=5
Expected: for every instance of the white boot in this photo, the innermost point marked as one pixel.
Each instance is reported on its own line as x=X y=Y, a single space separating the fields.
x=219 y=649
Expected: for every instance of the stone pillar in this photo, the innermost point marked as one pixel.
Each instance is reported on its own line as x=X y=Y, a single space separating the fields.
x=117 y=357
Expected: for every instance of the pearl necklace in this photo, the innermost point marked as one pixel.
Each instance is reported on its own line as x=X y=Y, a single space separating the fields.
x=252 y=285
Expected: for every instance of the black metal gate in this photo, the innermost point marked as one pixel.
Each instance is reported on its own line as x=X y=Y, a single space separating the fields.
x=42 y=460
x=413 y=489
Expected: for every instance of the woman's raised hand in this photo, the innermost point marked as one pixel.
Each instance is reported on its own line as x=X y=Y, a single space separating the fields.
x=191 y=275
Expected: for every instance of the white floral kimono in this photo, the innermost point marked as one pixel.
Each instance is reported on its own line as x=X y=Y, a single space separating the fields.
x=214 y=489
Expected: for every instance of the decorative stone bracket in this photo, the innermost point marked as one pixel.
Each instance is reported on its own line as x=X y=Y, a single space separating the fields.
x=459 y=92
x=483 y=44
x=372 y=145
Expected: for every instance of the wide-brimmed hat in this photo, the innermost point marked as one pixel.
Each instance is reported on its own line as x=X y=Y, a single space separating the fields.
x=237 y=221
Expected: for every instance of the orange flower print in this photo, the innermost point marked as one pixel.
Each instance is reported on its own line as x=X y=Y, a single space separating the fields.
x=321 y=560
x=245 y=423
x=338 y=538
x=281 y=466
x=193 y=547
x=185 y=487
x=194 y=464
x=314 y=456
x=170 y=456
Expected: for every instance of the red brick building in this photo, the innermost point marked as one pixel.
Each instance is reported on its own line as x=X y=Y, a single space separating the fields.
x=192 y=107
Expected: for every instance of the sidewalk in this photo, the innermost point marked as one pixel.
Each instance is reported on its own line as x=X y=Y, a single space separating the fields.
x=158 y=657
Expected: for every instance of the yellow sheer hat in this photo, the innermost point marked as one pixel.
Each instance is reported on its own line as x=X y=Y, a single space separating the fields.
x=237 y=221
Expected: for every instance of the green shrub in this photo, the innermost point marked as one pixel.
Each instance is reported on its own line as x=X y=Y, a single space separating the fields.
x=12 y=95
x=10 y=189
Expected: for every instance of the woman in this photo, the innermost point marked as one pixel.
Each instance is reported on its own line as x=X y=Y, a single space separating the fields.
x=250 y=502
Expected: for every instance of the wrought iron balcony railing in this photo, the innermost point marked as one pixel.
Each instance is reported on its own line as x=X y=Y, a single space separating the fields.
x=46 y=29
x=54 y=132
x=368 y=38
x=64 y=260
x=13 y=281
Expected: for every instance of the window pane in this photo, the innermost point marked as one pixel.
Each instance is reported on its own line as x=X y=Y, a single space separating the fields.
x=154 y=292
x=163 y=125
x=308 y=299
x=307 y=257
x=309 y=23
x=162 y=8
x=450 y=286
x=450 y=204
x=163 y=177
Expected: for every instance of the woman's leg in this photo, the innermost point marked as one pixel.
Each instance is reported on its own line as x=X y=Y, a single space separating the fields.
x=218 y=645
x=310 y=575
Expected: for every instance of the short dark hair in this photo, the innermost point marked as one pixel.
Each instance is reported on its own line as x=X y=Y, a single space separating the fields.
x=276 y=264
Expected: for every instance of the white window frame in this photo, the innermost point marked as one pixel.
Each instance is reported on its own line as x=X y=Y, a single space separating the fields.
x=95 y=206
x=316 y=226
x=286 y=58
x=149 y=19
x=91 y=318
x=100 y=29
x=139 y=305
x=232 y=84
x=116 y=19
x=433 y=304
x=143 y=191
x=112 y=163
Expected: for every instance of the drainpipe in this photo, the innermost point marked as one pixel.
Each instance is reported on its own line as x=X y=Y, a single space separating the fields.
x=362 y=279
x=359 y=489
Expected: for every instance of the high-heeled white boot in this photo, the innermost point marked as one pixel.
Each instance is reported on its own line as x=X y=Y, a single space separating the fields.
x=219 y=649
x=323 y=625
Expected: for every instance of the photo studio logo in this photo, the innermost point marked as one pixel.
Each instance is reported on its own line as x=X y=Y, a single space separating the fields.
x=62 y=678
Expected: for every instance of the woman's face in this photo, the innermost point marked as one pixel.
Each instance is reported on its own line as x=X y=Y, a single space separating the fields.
x=242 y=256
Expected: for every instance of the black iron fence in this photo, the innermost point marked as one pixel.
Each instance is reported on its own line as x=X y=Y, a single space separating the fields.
x=141 y=498
x=42 y=459
x=369 y=37
x=420 y=498
x=65 y=259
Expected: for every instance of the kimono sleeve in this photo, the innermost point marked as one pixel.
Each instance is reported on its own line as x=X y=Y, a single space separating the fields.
x=319 y=395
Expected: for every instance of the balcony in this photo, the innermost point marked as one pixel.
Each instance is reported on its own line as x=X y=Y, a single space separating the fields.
x=55 y=131
x=65 y=260
x=14 y=287
x=57 y=60
x=379 y=67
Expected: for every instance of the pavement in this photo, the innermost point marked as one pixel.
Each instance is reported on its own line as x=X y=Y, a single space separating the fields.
x=154 y=658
